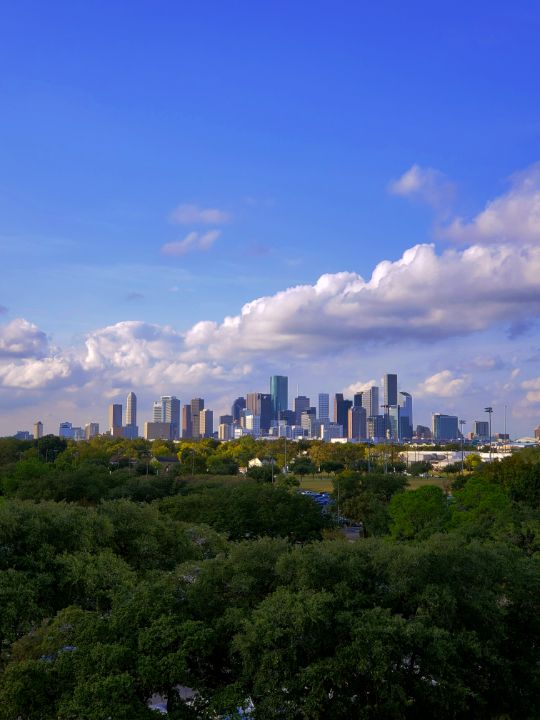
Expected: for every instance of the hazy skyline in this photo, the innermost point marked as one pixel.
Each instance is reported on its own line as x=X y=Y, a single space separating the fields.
x=195 y=198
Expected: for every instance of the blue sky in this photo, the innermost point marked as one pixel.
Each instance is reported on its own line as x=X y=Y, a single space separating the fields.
x=290 y=121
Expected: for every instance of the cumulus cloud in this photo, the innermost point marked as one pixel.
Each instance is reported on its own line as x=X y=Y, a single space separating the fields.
x=187 y=214
x=358 y=387
x=426 y=185
x=22 y=339
x=192 y=242
x=532 y=387
x=443 y=384
x=513 y=217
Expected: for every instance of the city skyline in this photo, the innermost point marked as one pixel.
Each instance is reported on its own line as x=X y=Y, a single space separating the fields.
x=349 y=190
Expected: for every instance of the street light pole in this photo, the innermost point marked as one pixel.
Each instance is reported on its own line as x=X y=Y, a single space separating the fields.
x=386 y=429
x=489 y=411
x=462 y=423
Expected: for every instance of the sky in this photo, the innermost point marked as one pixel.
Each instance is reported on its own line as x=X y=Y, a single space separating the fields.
x=195 y=196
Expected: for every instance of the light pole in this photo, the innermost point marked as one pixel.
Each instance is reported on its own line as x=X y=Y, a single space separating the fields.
x=489 y=411
x=461 y=424
x=386 y=430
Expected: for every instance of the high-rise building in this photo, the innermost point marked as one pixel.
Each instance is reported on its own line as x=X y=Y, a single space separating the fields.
x=115 y=420
x=225 y=432
x=301 y=404
x=236 y=410
x=279 y=393
x=405 y=416
x=131 y=409
x=131 y=431
x=370 y=401
x=481 y=429
x=324 y=407
x=158 y=431
x=260 y=404
x=341 y=412
x=393 y=423
x=376 y=427
x=197 y=405
x=66 y=430
x=225 y=419
x=252 y=423
x=38 y=430
x=187 y=428
x=206 y=423
x=167 y=409
x=357 y=399
x=390 y=389
x=91 y=430
x=357 y=429
x=444 y=427
x=288 y=417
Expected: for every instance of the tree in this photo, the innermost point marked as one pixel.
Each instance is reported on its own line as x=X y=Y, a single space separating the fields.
x=417 y=514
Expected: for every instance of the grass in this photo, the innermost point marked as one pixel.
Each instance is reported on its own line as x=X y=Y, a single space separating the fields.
x=418 y=482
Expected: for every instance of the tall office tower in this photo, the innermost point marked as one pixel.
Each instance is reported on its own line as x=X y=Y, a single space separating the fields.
x=187 y=428
x=236 y=410
x=131 y=431
x=405 y=416
x=65 y=430
x=279 y=393
x=358 y=399
x=390 y=389
x=301 y=404
x=341 y=412
x=225 y=432
x=38 y=430
x=197 y=405
x=91 y=430
x=481 y=429
x=444 y=427
x=131 y=409
x=357 y=418
x=260 y=404
x=376 y=427
x=288 y=417
x=252 y=423
x=167 y=409
x=393 y=423
x=115 y=420
x=206 y=423
x=370 y=401
x=324 y=407
x=225 y=419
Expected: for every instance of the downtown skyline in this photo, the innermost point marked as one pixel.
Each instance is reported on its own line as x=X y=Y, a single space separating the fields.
x=195 y=199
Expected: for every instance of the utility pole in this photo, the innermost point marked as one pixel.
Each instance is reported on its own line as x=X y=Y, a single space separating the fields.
x=489 y=411
x=461 y=424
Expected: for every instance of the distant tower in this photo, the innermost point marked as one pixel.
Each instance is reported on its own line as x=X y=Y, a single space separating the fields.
x=236 y=410
x=390 y=389
x=370 y=401
x=301 y=404
x=115 y=420
x=341 y=412
x=260 y=404
x=324 y=407
x=131 y=409
x=279 y=392
x=167 y=410
x=405 y=416
x=187 y=428
x=197 y=404
x=207 y=423
x=38 y=430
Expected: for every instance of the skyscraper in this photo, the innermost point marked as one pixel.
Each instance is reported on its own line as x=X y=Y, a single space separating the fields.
x=370 y=401
x=115 y=420
x=187 y=429
x=38 y=430
x=167 y=409
x=236 y=410
x=279 y=393
x=260 y=404
x=357 y=417
x=197 y=404
x=131 y=409
x=341 y=412
x=206 y=423
x=131 y=431
x=390 y=389
x=405 y=416
x=324 y=407
x=301 y=404
x=444 y=427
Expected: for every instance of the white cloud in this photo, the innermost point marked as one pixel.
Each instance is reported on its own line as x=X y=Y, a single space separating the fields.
x=20 y=338
x=192 y=242
x=188 y=214
x=443 y=384
x=532 y=387
x=425 y=184
x=359 y=386
x=511 y=218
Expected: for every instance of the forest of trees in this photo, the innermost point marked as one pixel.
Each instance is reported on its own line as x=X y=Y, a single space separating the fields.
x=123 y=577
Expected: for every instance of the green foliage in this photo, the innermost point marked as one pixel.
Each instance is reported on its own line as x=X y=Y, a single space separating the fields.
x=417 y=514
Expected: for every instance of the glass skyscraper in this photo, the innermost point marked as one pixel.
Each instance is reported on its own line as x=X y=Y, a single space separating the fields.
x=279 y=392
